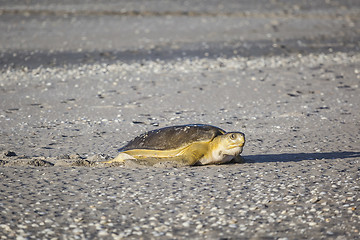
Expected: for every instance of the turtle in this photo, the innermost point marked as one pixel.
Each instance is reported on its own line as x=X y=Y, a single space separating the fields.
x=185 y=145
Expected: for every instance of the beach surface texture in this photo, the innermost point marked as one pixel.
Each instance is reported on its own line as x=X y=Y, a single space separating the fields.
x=79 y=79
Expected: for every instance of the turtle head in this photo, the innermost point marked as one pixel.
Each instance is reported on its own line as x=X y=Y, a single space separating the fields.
x=225 y=147
x=232 y=143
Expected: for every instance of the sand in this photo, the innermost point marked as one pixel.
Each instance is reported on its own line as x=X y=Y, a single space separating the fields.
x=79 y=80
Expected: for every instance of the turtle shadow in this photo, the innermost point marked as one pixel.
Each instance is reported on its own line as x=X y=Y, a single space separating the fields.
x=297 y=157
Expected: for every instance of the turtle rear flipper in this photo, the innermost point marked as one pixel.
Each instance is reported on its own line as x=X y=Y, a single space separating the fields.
x=120 y=158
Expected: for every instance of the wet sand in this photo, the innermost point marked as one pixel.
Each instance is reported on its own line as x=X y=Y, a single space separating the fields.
x=80 y=80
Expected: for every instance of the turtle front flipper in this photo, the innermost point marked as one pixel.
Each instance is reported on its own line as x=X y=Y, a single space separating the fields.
x=188 y=156
x=238 y=159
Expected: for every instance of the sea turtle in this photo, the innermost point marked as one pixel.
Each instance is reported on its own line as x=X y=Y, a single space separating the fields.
x=194 y=144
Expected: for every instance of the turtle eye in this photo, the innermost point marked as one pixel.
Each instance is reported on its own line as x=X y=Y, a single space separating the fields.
x=233 y=136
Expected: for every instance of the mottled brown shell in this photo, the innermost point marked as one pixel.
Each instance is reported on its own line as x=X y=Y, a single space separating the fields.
x=173 y=137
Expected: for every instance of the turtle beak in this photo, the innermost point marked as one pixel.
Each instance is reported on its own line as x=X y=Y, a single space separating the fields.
x=243 y=139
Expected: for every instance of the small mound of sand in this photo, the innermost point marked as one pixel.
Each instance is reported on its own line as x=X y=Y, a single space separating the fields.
x=40 y=163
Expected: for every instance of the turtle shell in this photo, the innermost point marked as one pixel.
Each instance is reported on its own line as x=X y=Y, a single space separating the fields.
x=173 y=137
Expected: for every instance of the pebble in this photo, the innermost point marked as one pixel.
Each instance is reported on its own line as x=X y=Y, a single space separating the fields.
x=186 y=224
x=312 y=224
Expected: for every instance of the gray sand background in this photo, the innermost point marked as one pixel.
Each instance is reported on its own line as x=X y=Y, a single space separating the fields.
x=80 y=78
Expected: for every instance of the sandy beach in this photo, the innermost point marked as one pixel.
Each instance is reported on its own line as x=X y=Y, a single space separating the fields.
x=80 y=79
